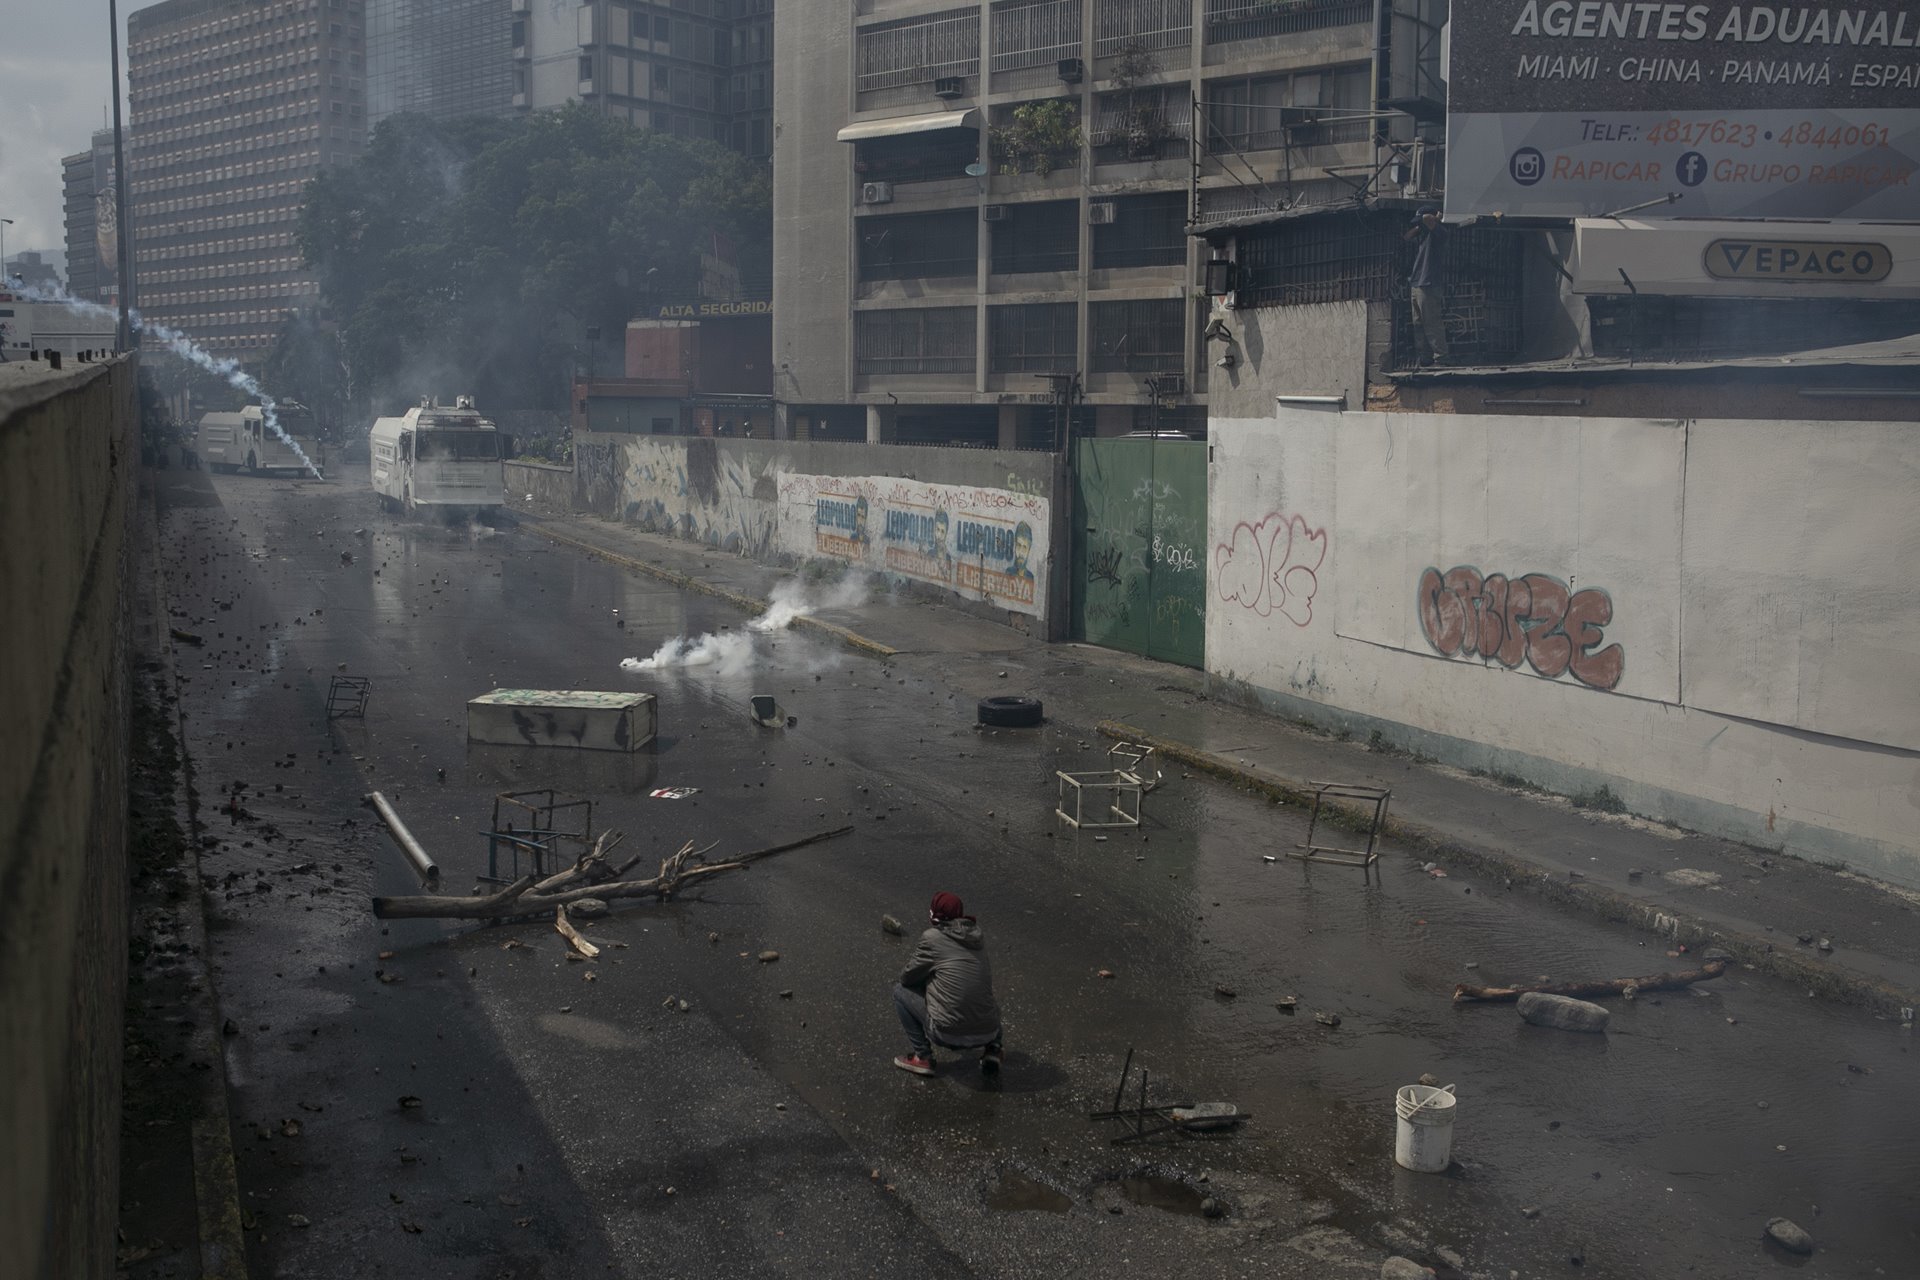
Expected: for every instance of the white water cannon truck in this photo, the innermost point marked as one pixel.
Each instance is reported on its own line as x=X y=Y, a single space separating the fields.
x=439 y=458
x=244 y=442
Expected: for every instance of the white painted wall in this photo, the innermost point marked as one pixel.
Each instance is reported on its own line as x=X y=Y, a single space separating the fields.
x=1749 y=574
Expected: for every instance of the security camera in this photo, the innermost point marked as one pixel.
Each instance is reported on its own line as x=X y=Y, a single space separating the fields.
x=1226 y=361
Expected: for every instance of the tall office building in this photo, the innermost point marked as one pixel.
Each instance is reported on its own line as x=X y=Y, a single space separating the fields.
x=439 y=58
x=87 y=181
x=236 y=105
x=983 y=210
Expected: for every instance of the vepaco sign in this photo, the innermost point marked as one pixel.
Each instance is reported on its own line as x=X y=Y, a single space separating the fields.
x=1583 y=108
x=1798 y=261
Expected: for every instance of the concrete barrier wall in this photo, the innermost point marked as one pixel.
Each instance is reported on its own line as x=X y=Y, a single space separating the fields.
x=975 y=523
x=1707 y=617
x=68 y=468
x=540 y=486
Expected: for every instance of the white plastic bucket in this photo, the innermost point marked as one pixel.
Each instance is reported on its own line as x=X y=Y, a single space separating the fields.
x=1424 y=1142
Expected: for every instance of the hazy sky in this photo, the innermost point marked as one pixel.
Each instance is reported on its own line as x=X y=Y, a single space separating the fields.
x=55 y=77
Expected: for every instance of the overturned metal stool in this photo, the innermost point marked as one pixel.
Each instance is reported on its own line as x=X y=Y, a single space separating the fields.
x=1312 y=851
x=1122 y=787
x=347 y=696
x=532 y=826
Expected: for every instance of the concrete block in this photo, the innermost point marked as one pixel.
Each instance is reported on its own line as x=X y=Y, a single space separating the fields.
x=584 y=718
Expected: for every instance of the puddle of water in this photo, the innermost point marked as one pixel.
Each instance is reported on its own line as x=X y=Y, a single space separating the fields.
x=1155 y=1191
x=1016 y=1192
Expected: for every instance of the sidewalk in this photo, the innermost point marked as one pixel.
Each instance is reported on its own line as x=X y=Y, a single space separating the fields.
x=1693 y=890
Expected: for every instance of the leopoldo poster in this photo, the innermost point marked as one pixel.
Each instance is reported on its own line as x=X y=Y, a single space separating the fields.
x=984 y=544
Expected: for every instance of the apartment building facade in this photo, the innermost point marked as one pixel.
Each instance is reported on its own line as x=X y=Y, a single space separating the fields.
x=439 y=58
x=236 y=105
x=983 y=211
x=693 y=68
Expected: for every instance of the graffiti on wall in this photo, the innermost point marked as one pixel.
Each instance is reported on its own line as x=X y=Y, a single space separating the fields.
x=1272 y=566
x=985 y=544
x=690 y=488
x=1531 y=618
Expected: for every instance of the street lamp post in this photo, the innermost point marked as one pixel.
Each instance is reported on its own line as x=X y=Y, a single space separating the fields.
x=4 y=224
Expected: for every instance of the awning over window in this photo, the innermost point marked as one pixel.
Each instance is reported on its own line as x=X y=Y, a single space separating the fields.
x=906 y=126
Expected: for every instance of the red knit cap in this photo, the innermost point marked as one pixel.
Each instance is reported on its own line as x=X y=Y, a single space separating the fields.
x=946 y=906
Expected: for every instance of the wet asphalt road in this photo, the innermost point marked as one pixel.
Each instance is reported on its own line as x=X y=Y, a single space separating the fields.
x=570 y=1128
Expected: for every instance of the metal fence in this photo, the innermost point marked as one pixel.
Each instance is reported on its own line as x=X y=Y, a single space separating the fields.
x=920 y=50
x=915 y=340
x=1141 y=336
x=1037 y=237
x=1034 y=33
x=1147 y=24
x=917 y=246
x=1254 y=19
x=1035 y=337
x=1146 y=231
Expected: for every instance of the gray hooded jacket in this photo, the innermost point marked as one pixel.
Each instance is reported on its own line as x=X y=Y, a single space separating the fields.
x=950 y=965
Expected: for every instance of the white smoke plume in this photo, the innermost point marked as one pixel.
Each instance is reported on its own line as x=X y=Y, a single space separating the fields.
x=793 y=599
x=225 y=368
x=733 y=652
x=728 y=654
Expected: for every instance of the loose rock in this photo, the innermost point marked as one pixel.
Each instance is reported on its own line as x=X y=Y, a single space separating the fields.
x=588 y=909
x=1327 y=1019
x=1562 y=1012
x=768 y=957
x=1404 y=1269
x=1789 y=1236
x=889 y=925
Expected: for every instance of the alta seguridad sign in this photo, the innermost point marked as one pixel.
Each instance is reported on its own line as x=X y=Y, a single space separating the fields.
x=1581 y=108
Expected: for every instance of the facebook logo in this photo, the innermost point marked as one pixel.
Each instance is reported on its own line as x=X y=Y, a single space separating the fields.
x=1691 y=170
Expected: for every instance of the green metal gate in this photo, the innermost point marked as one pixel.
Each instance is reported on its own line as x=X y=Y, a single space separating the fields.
x=1140 y=545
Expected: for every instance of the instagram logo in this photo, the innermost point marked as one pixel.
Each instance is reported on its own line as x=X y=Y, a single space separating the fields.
x=1526 y=166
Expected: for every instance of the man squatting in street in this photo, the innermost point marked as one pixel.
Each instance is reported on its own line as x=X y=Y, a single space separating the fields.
x=945 y=994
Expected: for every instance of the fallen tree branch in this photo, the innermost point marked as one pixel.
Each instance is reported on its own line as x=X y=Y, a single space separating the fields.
x=521 y=899
x=566 y=930
x=1464 y=994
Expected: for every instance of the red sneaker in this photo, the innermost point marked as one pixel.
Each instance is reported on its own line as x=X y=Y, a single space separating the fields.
x=915 y=1063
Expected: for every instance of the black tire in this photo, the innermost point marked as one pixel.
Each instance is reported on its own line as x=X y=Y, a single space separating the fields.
x=1011 y=712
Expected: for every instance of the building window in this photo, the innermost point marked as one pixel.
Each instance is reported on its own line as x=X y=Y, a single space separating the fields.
x=916 y=246
x=1146 y=231
x=1148 y=24
x=1254 y=19
x=920 y=340
x=1034 y=33
x=1309 y=108
x=920 y=50
x=1037 y=237
x=924 y=157
x=1138 y=337
x=1032 y=338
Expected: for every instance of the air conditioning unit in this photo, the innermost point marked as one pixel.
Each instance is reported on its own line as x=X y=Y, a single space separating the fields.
x=1168 y=384
x=1100 y=213
x=950 y=87
x=1072 y=70
x=876 y=193
x=996 y=213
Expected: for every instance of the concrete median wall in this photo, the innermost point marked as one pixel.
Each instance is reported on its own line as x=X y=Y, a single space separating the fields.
x=68 y=476
x=540 y=486
x=1708 y=618
x=977 y=524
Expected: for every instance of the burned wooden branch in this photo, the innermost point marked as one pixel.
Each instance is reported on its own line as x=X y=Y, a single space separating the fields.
x=1465 y=994
x=526 y=897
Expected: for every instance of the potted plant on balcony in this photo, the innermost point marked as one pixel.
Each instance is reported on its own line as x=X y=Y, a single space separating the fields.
x=1039 y=137
x=1143 y=113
